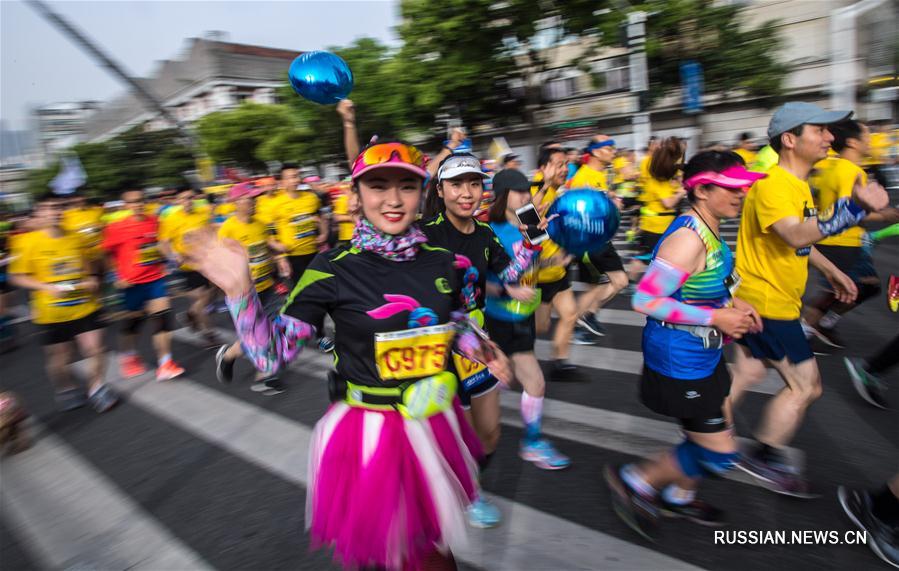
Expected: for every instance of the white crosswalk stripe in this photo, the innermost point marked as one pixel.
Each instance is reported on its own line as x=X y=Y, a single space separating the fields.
x=530 y=539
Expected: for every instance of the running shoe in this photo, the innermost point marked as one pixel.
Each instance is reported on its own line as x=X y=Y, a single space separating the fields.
x=564 y=366
x=70 y=399
x=827 y=335
x=893 y=294
x=224 y=368
x=776 y=475
x=268 y=386
x=696 y=511
x=103 y=399
x=631 y=235
x=867 y=385
x=639 y=512
x=543 y=455
x=325 y=344
x=483 y=514
x=591 y=324
x=583 y=337
x=168 y=371
x=882 y=538
x=131 y=366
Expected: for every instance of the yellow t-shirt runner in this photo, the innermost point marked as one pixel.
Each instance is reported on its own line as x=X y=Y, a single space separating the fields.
x=179 y=223
x=266 y=207
x=587 y=176
x=60 y=261
x=252 y=236
x=86 y=223
x=296 y=222
x=342 y=207
x=547 y=273
x=654 y=217
x=773 y=273
x=748 y=156
x=832 y=179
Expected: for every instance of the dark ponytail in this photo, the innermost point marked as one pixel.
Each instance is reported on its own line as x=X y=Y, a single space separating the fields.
x=666 y=159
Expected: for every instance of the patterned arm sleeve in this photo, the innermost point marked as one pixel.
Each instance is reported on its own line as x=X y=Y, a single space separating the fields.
x=268 y=343
x=523 y=259
x=466 y=342
x=844 y=214
x=654 y=293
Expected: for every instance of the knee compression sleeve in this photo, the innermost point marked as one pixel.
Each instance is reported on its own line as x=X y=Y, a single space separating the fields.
x=163 y=321
x=696 y=461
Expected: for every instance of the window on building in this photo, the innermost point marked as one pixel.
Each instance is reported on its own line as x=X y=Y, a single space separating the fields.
x=610 y=74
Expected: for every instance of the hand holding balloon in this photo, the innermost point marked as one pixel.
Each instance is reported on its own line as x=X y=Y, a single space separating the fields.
x=321 y=77
x=583 y=220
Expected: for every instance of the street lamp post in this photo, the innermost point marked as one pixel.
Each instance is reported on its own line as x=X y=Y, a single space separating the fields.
x=639 y=75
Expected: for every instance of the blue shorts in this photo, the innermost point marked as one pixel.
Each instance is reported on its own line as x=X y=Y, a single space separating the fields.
x=137 y=296
x=780 y=338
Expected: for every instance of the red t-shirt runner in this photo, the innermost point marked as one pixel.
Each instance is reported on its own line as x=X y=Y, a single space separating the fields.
x=133 y=243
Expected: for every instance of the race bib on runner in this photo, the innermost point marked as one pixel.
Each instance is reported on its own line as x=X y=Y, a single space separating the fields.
x=471 y=373
x=413 y=353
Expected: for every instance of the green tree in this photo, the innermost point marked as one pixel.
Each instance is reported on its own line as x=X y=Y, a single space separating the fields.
x=235 y=135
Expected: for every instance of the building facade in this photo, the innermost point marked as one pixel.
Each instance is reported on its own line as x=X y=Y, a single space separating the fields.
x=61 y=125
x=213 y=75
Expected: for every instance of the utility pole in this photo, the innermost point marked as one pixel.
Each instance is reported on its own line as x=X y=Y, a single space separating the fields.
x=82 y=40
x=639 y=76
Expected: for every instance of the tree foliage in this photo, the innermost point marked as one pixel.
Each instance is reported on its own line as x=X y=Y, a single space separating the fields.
x=235 y=135
x=134 y=159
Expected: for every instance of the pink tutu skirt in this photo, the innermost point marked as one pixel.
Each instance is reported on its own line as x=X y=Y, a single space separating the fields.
x=386 y=491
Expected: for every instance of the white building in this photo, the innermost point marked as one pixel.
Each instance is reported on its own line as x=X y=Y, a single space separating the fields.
x=213 y=75
x=590 y=95
x=61 y=125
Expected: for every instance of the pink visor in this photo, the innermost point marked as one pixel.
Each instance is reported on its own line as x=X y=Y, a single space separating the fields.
x=731 y=177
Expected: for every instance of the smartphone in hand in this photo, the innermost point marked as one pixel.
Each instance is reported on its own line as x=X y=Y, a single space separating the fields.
x=528 y=216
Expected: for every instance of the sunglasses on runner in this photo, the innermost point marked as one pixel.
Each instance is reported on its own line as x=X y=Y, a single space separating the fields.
x=397 y=155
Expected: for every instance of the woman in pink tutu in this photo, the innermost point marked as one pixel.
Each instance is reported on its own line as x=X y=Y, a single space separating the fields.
x=392 y=464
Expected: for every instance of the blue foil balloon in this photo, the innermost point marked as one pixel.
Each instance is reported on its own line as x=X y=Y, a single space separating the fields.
x=321 y=77
x=587 y=220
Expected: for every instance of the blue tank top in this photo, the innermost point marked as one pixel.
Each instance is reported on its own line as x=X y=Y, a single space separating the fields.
x=505 y=308
x=676 y=353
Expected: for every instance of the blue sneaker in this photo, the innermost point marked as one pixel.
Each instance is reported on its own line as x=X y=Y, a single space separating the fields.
x=326 y=344
x=543 y=454
x=482 y=514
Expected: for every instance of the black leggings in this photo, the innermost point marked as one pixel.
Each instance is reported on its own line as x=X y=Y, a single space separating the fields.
x=886 y=358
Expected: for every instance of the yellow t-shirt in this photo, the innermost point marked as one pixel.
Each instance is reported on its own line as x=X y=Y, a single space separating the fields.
x=252 y=236
x=773 y=272
x=619 y=164
x=553 y=273
x=878 y=149
x=587 y=176
x=342 y=207
x=179 y=223
x=266 y=207
x=296 y=222
x=654 y=217
x=644 y=169
x=58 y=261
x=86 y=223
x=748 y=156
x=832 y=179
x=224 y=210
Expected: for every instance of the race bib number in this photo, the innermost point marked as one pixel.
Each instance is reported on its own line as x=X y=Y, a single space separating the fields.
x=148 y=254
x=471 y=373
x=304 y=225
x=413 y=353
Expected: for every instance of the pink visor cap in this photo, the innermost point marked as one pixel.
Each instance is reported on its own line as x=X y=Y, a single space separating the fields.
x=243 y=190
x=732 y=177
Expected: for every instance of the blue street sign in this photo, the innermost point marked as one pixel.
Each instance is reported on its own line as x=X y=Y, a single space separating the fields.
x=691 y=86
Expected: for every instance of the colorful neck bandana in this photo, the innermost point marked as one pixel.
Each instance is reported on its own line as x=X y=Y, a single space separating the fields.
x=402 y=248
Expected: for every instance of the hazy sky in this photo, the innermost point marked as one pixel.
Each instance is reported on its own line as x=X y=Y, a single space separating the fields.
x=39 y=65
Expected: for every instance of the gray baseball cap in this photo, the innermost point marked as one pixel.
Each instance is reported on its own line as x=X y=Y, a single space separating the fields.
x=796 y=113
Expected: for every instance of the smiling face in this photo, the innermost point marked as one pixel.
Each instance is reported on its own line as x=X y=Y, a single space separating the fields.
x=811 y=145
x=389 y=198
x=462 y=195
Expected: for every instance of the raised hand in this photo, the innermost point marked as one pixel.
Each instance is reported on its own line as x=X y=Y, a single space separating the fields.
x=223 y=262
x=347 y=110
